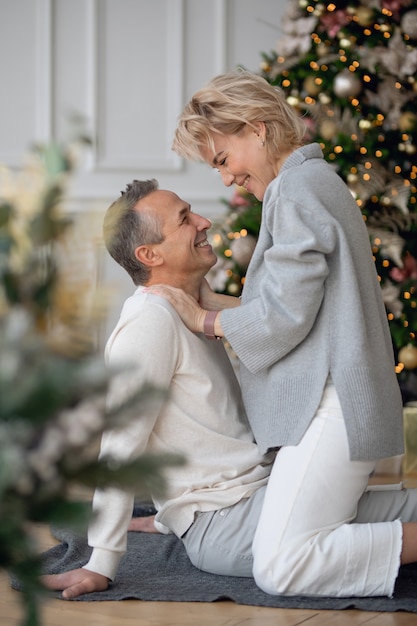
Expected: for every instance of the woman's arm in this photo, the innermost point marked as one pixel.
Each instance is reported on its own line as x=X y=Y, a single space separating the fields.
x=213 y=301
x=196 y=318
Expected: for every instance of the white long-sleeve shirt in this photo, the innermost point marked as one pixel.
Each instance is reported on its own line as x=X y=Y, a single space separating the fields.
x=203 y=419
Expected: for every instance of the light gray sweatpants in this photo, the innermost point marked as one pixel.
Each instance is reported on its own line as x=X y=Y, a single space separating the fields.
x=220 y=542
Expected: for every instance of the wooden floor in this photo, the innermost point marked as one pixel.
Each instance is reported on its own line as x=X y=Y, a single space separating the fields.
x=136 y=613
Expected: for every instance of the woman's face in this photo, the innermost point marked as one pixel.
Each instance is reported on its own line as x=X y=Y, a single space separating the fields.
x=242 y=159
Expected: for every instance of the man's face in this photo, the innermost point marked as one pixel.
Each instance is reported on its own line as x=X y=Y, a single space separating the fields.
x=185 y=249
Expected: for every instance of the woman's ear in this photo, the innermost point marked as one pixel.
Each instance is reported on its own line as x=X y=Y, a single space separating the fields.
x=147 y=255
x=260 y=130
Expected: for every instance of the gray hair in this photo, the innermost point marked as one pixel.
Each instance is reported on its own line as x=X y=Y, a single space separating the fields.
x=124 y=229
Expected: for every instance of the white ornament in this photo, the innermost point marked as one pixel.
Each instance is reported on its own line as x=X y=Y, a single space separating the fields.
x=242 y=250
x=409 y=24
x=347 y=84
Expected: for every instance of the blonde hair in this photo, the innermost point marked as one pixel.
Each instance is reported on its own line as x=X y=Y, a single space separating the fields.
x=228 y=103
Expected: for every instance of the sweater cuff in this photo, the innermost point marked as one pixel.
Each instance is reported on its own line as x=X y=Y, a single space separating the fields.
x=104 y=562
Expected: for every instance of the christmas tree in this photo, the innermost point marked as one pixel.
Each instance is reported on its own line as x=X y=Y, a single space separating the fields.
x=351 y=69
x=53 y=380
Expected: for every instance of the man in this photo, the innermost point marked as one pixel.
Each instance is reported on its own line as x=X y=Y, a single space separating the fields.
x=156 y=237
x=213 y=502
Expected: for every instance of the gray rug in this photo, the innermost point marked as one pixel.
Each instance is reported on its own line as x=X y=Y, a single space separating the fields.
x=156 y=568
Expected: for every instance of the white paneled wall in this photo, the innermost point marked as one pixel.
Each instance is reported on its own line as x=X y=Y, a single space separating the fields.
x=127 y=67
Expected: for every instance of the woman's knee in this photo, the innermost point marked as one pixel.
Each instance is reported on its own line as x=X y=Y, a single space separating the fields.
x=277 y=574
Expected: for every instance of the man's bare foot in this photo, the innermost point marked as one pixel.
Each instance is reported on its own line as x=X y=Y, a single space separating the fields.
x=143 y=524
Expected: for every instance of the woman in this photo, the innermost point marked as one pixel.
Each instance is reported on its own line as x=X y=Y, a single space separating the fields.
x=310 y=330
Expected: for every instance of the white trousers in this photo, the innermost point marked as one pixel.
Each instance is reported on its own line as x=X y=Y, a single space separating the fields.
x=305 y=542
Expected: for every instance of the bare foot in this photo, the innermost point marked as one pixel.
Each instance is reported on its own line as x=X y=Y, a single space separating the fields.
x=143 y=524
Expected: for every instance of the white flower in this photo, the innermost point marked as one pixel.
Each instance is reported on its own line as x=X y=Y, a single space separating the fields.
x=390 y=293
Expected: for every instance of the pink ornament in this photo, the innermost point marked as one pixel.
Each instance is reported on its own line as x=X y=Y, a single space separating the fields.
x=240 y=197
x=407 y=271
x=395 y=6
x=334 y=21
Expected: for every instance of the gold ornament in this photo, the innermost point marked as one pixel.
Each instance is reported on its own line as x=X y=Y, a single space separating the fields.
x=365 y=124
x=233 y=289
x=410 y=148
x=319 y=9
x=328 y=129
x=408 y=356
x=311 y=86
x=407 y=121
x=365 y=16
x=293 y=101
x=322 y=49
x=345 y=43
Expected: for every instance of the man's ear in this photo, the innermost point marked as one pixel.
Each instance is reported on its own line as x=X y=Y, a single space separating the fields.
x=148 y=255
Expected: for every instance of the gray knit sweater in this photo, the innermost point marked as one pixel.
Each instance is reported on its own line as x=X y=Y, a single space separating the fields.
x=312 y=306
